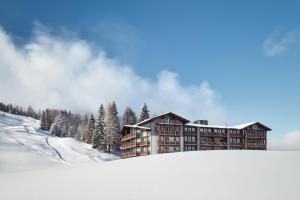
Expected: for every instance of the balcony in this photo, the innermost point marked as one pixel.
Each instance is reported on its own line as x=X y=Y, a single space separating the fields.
x=236 y=135
x=173 y=143
x=220 y=144
x=207 y=134
x=235 y=145
x=142 y=153
x=128 y=136
x=254 y=145
x=190 y=142
x=206 y=143
x=168 y=133
x=252 y=135
x=143 y=143
x=128 y=154
x=220 y=135
x=129 y=145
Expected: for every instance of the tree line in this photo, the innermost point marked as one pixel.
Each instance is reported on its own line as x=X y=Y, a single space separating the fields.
x=102 y=131
x=18 y=110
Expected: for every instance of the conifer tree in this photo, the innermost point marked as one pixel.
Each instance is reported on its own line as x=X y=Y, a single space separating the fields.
x=57 y=127
x=90 y=130
x=112 y=130
x=43 y=121
x=129 y=117
x=145 y=113
x=99 y=135
x=117 y=128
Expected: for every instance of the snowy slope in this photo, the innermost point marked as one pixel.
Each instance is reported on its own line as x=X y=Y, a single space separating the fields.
x=67 y=169
x=259 y=175
x=23 y=146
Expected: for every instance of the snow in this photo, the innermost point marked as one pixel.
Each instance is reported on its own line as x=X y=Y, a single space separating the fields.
x=240 y=126
x=30 y=169
x=206 y=175
x=24 y=147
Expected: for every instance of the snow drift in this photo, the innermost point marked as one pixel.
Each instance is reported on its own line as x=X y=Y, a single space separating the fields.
x=187 y=175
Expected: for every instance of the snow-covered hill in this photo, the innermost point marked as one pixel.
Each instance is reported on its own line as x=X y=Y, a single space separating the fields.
x=209 y=175
x=23 y=146
x=259 y=175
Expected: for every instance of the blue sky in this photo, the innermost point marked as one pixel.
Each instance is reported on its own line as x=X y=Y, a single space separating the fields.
x=248 y=51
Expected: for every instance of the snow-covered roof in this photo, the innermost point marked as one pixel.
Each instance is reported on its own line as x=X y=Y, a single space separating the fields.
x=167 y=113
x=240 y=126
x=136 y=126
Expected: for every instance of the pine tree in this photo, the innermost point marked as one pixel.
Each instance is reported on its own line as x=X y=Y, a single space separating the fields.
x=57 y=127
x=129 y=117
x=117 y=128
x=145 y=113
x=43 y=121
x=112 y=129
x=90 y=130
x=99 y=134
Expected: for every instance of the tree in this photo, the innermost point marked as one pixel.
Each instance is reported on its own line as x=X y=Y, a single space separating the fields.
x=89 y=130
x=145 y=113
x=58 y=126
x=112 y=130
x=99 y=134
x=117 y=128
x=129 y=117
x=43 y=121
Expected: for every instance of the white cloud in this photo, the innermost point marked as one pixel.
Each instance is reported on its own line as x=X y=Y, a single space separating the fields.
x=279 y=43
x=61 y=72
x=290 y=141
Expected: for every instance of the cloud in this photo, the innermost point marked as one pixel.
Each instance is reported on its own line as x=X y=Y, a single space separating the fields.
x=58 y=71
x=290 y=141
x=278 y=43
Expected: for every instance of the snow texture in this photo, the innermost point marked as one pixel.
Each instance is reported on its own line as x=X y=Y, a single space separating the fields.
x=258 y=175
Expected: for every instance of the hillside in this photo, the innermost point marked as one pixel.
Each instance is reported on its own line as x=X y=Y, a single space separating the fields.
x=39 y=166
x=24 y=147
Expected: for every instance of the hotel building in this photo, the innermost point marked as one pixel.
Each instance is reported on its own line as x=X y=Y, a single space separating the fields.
x=169 y=132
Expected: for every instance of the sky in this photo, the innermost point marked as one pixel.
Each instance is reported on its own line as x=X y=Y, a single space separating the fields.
x=226 y=61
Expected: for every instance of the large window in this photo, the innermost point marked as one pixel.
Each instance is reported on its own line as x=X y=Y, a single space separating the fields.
x=168 y=120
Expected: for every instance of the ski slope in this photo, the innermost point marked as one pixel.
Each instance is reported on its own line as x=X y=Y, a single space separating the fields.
x=23 y=146
x=34 y=166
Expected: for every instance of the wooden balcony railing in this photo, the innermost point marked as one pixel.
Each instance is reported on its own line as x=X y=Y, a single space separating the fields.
x=190 y=142
x=252 y=135
x=207 y=134
x=142 y=153
x=220 y=134
x=129 y=145
x=169 y=133
x=256 y=145
x=220 y=143
x=206 y=143
x=128 y=136
x=128 y=154
x=235 y=135
x=213 y=143
x=143 y=143
x=160 y=142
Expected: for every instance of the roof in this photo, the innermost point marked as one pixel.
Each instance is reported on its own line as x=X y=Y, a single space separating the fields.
x=135 y=126
x=168 y=113
x=241 y=126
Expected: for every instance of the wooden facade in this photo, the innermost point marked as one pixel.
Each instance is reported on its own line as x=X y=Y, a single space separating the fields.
x=169 y=132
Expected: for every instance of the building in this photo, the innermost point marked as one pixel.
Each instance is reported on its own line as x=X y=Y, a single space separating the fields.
x=169 y=132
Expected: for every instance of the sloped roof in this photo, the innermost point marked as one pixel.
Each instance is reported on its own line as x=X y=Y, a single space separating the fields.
x=168 y=113
x=135 y=126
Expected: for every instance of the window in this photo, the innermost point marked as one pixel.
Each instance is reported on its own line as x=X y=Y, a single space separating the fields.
x=168 y=120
